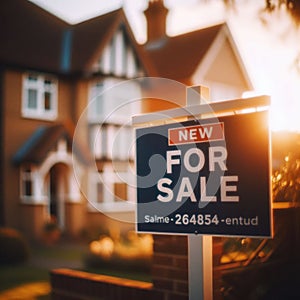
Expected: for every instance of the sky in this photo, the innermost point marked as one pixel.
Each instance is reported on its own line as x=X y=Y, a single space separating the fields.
x=267 y=43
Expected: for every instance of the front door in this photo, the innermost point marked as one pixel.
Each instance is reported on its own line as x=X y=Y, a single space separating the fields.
x=57 y=193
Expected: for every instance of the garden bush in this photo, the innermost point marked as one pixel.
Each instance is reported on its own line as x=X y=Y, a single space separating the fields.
x=13 y=247
x=139 y=264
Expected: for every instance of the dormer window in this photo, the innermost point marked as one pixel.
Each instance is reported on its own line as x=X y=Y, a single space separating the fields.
x=118 y=58
x=39 y=97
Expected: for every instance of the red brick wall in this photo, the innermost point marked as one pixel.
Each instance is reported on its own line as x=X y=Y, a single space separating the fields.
x=170 y=266
x=76 y=285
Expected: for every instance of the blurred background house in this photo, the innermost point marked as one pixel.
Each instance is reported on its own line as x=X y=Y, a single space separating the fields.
x=55 y=75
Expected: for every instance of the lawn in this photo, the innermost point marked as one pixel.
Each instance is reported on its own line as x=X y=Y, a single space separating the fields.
x=32 y=278
x=12 y=277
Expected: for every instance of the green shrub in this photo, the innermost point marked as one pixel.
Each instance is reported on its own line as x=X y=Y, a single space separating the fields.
x=13 y=246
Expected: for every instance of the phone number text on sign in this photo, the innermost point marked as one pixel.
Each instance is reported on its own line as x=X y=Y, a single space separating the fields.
x=203 y=219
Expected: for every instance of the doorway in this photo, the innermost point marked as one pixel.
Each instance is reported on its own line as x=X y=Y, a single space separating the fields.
x=57 y=193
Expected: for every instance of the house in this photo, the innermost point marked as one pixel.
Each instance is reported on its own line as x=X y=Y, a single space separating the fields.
x=66 y=91
x=208 y=56
x=50 y=72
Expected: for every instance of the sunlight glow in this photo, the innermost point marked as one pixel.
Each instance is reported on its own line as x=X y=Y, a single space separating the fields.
x=285 y=107
x=284 y=110
x=103 y=247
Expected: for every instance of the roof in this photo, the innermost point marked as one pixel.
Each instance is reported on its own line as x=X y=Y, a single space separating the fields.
x=33 y=38
x=91 y=36
x=42 y=141
x=30 y=37
x=178 y=57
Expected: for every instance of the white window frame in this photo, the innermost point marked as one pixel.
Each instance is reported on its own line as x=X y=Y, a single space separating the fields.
x=96 y=101
x=110 y=203
x=112 y=142
x=26 y=176
x=118 y=58
x=110 y=133
x=109 y=103
x=40 y=86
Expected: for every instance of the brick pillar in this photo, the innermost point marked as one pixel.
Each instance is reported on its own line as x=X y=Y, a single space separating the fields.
x=170 y=266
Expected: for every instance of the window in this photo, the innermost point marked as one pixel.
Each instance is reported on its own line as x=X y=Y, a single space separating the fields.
x=119 y=58
x=111 y=106
x=96 y=103
x=120 y=191
x=100 y=192
x=39 y=97
x=109 y=191
x=112 y=142
x=114 y=101
x=26 y=183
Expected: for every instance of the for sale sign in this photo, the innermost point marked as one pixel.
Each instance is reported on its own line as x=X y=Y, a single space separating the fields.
x=209 y=176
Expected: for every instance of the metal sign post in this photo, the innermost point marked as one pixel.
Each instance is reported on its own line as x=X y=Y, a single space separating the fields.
x=200 y=267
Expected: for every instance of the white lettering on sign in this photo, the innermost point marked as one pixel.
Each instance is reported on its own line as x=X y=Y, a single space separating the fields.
x=192 y=134
x=217 y=156
x=169 y=193
x=196 y=134
x=186 y=190
x=228 y=188
x=156 y=219
x=171 y=161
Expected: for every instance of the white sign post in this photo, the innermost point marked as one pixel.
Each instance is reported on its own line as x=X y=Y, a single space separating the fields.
x=199 y=247
x=200 y=267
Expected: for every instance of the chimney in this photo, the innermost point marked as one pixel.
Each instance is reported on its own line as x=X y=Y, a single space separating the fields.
x=156 y=15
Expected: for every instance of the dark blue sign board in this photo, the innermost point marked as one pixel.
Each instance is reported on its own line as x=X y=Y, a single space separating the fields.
x=208 y=176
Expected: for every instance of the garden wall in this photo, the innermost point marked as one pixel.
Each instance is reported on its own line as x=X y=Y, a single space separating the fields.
x=76 y=285
x=169 y=276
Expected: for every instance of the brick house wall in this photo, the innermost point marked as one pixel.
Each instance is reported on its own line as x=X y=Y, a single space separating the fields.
x=170 y=266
